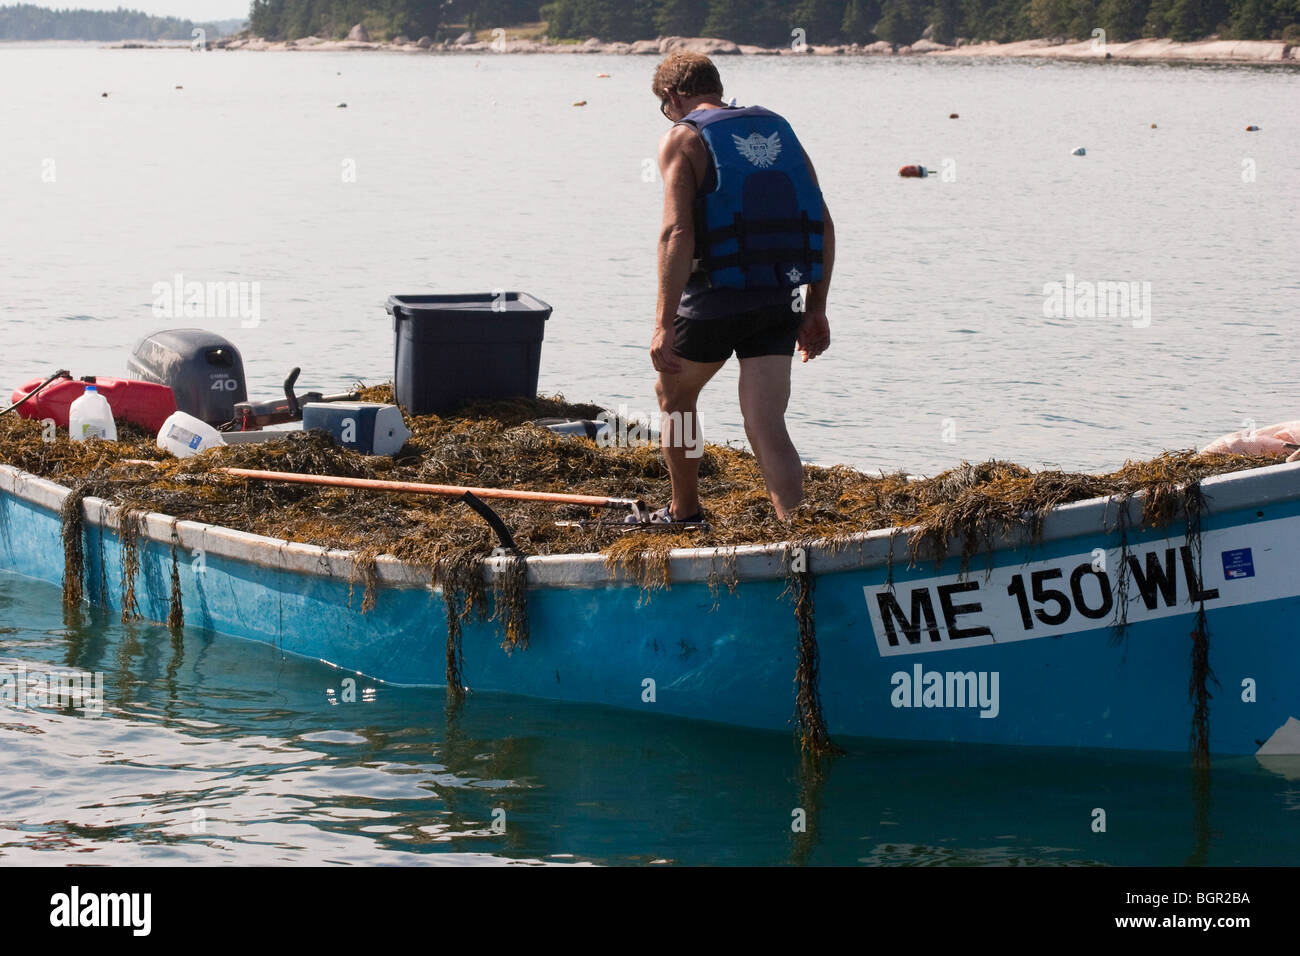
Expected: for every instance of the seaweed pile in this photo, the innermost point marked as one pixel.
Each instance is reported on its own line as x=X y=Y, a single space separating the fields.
x=496 y=445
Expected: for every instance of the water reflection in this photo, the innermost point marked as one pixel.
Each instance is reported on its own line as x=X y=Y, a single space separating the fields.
x=215 y=749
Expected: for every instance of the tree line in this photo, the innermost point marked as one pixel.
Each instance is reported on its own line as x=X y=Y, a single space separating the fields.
x=291 y=19
x=770 y=22
x=27 y=22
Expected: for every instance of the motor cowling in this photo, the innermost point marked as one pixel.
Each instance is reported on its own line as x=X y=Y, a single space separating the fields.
x=204 y=371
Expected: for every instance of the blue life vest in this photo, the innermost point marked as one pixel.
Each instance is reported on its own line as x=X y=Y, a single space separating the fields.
x=758 y=218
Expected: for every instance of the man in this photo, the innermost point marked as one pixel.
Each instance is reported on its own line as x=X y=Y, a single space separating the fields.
x=744 y=229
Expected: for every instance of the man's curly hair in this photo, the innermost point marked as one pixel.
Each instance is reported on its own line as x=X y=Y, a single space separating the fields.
x=689 y=74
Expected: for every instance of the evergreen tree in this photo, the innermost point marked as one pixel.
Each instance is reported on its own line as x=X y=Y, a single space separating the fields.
x=415 y=18
x=574 y=19
x=264 y=18
x=902 y=21
x=945 y=17
x=860 y=19
x=625 y=20
x=1050 y=18
x=1181 y=20
x=1158 y=18
x=770 y=23
x=1121 y=19
x=559 y=19
x=820 y=20
x=726 y=18
x=997 y=20
x=1250 y=18
x=679 y=18
x=300 y=21
x=1082 y=19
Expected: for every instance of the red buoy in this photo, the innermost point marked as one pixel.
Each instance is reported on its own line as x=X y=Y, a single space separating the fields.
x=143 y=403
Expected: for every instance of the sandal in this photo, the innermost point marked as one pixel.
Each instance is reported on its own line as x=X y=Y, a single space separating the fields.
x=665 y=516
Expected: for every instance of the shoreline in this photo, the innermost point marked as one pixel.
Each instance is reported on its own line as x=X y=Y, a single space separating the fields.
x=1261 y=52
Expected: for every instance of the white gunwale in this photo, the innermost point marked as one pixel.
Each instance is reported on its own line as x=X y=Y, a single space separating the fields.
x=1258 y=487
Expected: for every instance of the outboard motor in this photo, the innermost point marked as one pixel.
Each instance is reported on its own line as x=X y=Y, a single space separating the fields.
x=204 y=371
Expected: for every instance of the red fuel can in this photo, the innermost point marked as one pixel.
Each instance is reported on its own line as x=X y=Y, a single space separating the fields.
x=143 y=403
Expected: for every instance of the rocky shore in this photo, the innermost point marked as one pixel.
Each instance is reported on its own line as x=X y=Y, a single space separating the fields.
x=1211 y=50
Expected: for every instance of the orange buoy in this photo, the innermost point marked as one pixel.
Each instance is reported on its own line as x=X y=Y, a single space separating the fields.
x=602 y=76
x=1153 y=125
x=914 y=172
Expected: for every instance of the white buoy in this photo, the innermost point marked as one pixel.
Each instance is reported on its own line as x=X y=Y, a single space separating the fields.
x=1078 y=151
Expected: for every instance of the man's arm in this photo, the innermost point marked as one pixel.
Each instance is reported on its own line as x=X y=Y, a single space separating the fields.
x=815 y=333
x=676 y=238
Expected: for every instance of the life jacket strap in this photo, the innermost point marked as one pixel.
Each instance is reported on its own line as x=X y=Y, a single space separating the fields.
x=762 y=257
x=734 y=231
x=744 y=256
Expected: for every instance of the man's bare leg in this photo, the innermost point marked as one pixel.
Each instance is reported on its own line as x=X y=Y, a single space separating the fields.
x=764 y=394
x=679 y=431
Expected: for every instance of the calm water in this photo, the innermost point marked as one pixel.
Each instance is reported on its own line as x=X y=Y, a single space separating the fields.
x=475 y=173
x=479 y=173
x=215 y=750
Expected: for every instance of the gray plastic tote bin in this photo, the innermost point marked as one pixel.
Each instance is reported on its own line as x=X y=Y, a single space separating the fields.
x=454 y=349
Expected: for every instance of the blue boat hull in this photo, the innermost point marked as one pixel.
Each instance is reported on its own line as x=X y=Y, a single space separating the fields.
x=937 y=655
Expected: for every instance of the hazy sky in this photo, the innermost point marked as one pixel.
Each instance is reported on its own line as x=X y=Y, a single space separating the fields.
x=186 y=9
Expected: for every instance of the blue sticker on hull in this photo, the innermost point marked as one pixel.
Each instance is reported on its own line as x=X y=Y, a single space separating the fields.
x=1238 y=564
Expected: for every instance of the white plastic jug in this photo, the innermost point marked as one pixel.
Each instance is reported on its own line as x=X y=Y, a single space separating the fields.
x=91 y=417
x=184 y=435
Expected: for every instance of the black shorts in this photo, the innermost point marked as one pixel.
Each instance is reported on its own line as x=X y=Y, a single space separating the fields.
x=771 y=330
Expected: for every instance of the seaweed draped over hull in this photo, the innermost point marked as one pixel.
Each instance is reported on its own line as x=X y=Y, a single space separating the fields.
x=495 y=445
